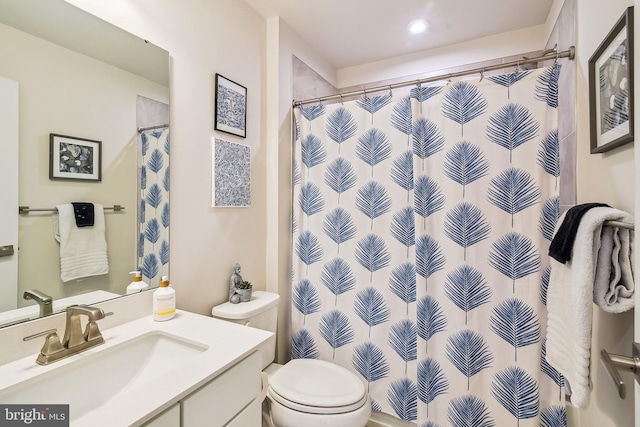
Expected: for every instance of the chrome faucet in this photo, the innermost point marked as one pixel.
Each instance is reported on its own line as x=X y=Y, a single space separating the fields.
x=74 y=339
x=44 y=301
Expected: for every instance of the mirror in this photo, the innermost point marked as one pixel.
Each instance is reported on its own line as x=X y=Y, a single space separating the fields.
x=82 y=77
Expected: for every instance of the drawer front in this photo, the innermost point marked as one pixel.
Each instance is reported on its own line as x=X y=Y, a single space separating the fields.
x=169 y=418
x=225 y=396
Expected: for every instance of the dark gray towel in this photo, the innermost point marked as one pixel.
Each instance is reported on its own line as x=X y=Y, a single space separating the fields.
x=562 y=243
x=84 y=214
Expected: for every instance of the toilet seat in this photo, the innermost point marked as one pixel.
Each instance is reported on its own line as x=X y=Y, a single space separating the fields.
x=317 y=387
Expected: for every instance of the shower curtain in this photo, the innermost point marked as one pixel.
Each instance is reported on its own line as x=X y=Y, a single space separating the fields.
x=421 y=226
x=153 y=205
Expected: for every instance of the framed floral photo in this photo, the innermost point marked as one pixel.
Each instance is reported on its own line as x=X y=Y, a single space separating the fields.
x=231 y=107
x=74 y=158
x=611 y=88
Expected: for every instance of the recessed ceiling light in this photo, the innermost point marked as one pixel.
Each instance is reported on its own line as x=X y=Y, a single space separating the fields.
x=418 y=26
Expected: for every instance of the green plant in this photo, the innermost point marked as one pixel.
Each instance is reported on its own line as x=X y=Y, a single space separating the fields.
x=244 y=285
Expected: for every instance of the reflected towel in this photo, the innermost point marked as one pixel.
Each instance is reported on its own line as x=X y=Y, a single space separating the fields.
x=573 y=289
x=83 y=251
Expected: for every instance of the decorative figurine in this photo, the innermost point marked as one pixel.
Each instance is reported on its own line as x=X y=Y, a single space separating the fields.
x=234 y=282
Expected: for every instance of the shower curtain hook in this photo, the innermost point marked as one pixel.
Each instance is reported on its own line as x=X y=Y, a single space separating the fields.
x=341 y=100
x=390 y=92
x=365 y=94
x=518 y=66
x=556 y=60
x=481 y=75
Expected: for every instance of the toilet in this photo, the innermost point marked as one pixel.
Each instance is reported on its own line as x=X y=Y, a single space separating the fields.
x=303 y=392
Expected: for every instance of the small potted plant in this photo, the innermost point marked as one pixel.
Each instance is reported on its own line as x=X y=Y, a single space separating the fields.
x=244 y=289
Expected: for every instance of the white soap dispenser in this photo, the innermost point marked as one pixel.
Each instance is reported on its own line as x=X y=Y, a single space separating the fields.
x=138 y=284
x=164 y=301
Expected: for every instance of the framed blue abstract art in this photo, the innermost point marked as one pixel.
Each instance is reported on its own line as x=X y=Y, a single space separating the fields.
x=231 y=107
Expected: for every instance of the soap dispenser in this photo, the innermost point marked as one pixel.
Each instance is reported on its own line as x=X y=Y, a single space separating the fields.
x=164 y=301
x=138 y=284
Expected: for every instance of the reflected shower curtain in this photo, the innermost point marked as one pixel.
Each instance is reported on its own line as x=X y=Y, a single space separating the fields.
x=153 y=205
x=421 y=226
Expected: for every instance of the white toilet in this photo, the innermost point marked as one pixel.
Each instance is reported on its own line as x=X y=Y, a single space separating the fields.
x=303 y=392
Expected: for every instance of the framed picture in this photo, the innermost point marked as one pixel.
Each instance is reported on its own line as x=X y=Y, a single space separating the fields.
x=611 y=88
x=74 y=158
x=231 y=107
x=231 y=164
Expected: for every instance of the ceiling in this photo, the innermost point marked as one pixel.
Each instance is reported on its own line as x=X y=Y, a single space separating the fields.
x=354 y=32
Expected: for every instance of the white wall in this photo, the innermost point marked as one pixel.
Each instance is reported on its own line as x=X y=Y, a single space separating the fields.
x=205 y=38
x=67 y=93
x=607 y=178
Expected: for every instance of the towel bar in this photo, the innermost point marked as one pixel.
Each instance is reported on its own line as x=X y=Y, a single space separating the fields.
x=614 y=362
x=26 y=209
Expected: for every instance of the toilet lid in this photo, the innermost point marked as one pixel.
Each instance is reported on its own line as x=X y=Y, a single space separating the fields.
x=318 y=384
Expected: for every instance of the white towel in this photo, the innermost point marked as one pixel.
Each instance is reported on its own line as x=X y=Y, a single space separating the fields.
x=83 y=250
x=574 y=286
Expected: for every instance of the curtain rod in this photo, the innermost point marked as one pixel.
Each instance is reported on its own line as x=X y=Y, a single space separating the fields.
x=140 y=130
x=569 y=53
x=27 y=209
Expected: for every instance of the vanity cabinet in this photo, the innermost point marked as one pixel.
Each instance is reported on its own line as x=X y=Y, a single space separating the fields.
x=231 y=399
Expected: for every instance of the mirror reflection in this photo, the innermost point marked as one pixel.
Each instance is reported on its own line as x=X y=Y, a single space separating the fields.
x=66 y=72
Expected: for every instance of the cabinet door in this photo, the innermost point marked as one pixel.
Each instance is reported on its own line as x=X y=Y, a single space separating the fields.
x=216 y=403
x=169 y=418
x=250 y=417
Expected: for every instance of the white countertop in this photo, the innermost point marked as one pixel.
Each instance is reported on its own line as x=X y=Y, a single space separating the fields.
x=227 y=344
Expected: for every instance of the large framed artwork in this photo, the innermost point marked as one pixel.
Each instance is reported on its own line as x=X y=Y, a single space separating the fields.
x=611 y=88
x=74 y=158
x=231 y=107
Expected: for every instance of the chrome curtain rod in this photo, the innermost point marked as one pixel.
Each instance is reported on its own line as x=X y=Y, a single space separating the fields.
x=27 y=209
x=569 y=53
x=140 y=130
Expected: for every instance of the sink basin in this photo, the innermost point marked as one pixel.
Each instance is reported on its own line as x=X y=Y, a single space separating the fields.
x=93 y=380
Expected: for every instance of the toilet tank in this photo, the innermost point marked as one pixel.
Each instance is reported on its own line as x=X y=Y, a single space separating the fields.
x=261 y=312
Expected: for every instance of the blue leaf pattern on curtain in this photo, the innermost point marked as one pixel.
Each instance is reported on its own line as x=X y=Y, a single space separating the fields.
x=462 y=103
x=303 y=346
x=468 y=352
x=549 y=217
x=517 y=391
x=516 y=323
x=339 y=226
x=514 y=256
x=467 y=289
x=469 y=411
x=312 y=112
x=547 y=88
x=431 y=381
x=549 y=154
x=422 y=244
x=373 y=147
x=427 y=139
x=508 y=80
x=431 y=320
x=513 y=190
x=337 y=277
x=464 y=163
x=340 y=126
x=368 y=359
x=427 y=197
x=336 y=329
x=372 y=104
x=403 y=396
x=305 y=298
x=512 y=126
x=370 y=306
x=339 y=176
